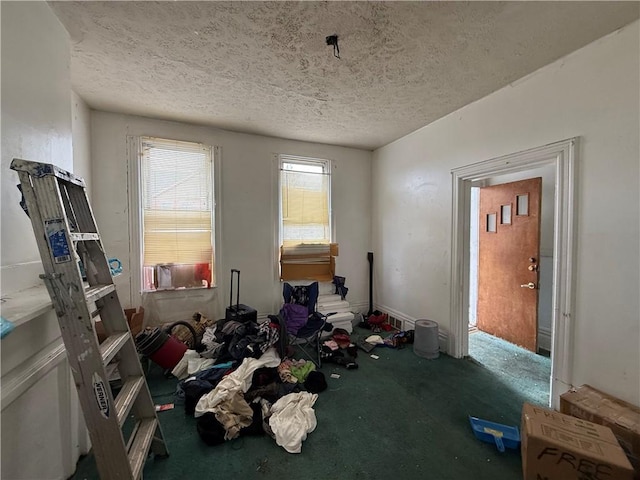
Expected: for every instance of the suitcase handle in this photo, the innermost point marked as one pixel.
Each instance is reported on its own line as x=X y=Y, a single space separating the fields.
x=234 y=270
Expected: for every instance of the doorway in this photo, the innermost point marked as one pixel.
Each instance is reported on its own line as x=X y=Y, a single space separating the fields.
x=508 y=254
x=560 y=158
x=511 y=229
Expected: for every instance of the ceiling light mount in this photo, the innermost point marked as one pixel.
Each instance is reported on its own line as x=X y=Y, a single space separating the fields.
x=333 y=40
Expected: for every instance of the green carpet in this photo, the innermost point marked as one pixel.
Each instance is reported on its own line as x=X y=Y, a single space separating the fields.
x=400 y=416
x=516 y=366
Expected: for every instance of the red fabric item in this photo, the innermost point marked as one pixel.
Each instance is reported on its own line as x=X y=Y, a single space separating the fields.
x=378 y=319
x=203 y=272
x=341 y=337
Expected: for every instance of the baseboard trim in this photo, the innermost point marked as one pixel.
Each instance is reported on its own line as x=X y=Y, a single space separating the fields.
x=544 y=338
x=28 y=373
x=409 y=323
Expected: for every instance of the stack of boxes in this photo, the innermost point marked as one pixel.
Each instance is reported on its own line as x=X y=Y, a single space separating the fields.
x=588 y=403
x=562 y=447
x=594 y=436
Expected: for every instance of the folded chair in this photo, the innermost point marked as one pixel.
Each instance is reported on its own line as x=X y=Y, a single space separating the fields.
x=304 y=324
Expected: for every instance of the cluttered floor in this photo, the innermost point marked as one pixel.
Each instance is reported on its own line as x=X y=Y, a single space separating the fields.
x=396 y=415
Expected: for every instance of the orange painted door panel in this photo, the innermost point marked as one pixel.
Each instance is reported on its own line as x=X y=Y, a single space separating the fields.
x=508 y=259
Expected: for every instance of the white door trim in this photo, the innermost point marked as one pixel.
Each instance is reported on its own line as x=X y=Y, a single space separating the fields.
x=562 y=156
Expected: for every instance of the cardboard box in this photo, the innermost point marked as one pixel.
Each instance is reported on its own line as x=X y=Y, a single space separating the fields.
x=135 y=319
x=560 y=447
x=313 y=271
x=598 y=407
x=316 y=266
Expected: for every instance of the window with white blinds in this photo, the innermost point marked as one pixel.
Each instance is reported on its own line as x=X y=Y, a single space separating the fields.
x=177 y=213
x=305 y=207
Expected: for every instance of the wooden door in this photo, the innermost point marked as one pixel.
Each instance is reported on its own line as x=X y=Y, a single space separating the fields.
x=508 y=259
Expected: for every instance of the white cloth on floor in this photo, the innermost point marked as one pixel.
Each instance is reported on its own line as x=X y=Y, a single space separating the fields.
x=238 y=380
x=197 y=364
x=180 y=371
x=292 y=418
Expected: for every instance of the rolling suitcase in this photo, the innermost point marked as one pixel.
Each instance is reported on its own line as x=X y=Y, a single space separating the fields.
x=239 y=312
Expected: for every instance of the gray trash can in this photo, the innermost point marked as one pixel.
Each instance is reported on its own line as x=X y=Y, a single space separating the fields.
x=425 y=343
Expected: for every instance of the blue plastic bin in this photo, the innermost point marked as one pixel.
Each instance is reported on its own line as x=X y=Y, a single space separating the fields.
x=490 y=432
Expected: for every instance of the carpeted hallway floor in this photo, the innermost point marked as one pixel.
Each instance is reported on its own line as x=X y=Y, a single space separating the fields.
x=398 y=416
x=521 y=368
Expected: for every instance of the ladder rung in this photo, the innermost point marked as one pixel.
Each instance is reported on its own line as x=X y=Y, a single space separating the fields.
x=126 y=397
x=83 y=237
x=141 y=443
x=98 y=291
x=112 y=345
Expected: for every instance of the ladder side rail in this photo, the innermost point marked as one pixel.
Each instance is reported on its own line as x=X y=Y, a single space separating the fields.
x=143 y=407
x=129 y=365
x=36 y=221
x=112 y=315
x=79 y=338
x=68 y=208
x=111 y=312
x=37 y=224
x=82 y=208
x=101 y=273
x=114 y=320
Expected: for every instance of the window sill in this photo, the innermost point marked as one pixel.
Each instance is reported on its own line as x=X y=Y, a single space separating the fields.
x=22 y=306
x=178 y=289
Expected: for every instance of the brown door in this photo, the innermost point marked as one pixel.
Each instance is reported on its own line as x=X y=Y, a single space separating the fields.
x=508 y=255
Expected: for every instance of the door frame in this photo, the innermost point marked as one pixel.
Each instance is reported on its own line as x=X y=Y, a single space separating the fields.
x=562 y=155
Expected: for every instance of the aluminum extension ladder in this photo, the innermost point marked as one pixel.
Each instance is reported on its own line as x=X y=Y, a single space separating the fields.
x=66 y=232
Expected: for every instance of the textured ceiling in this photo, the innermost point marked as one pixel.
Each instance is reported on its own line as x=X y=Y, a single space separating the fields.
x=265 y=67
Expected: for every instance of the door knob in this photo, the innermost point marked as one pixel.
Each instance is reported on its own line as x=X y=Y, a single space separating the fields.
x=530 y=285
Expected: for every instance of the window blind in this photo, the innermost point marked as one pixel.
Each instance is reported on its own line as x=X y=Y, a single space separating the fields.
x=305 y=201
x=177 y=198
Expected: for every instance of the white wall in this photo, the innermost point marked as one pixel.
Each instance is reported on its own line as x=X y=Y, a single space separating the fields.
x=592 y=93
x=36 y=123
x=248 y=200
x=81 y=129
x=42 y=430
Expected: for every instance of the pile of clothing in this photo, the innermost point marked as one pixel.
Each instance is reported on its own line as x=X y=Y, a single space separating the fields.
x=340 y=350
x=240 y=383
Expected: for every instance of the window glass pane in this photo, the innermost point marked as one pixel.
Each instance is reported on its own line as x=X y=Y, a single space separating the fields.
x=303 y=167
x=522 y=207
x=491 y=222
x=177 y=214
x=505 y=214
x=305 y=202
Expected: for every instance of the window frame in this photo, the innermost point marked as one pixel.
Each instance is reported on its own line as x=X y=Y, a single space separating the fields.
x=326 y=165
x=136 y=243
